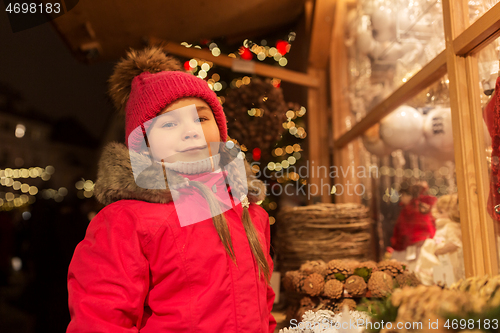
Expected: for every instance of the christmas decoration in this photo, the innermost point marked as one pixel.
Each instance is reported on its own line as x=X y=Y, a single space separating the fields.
x=255 y=114
x=380 y=284
x=314 y=266
x=338 y=269
x=333 y=289
x=391 y=267
x=403 y=128
x=313 y=284
x=355 y=286
x=438 y=129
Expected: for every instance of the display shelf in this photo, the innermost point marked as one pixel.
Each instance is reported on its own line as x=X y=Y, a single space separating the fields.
x=428 y=75
x=460 y=62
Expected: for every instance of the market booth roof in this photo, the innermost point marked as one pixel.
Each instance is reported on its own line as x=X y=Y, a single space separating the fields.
x=102 y=30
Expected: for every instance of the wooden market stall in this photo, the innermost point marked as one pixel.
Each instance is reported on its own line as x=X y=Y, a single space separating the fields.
x=332 y=130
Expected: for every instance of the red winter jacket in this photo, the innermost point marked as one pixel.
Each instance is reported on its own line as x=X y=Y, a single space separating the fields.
x=138 y=270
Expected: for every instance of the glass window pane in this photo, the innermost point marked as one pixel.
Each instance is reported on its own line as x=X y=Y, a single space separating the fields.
x=388 y=42
x=478 y=7
x=415 y=192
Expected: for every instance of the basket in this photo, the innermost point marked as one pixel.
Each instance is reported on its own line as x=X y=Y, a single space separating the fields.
x=323 y=231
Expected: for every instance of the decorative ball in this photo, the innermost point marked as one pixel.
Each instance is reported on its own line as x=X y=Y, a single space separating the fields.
x=403 y=128
x=382 y=18
x=373 y=143
x=421 y=148
x=438 y=129
x=378 y=147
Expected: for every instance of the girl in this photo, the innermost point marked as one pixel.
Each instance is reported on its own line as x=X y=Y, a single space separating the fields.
x=174 y=250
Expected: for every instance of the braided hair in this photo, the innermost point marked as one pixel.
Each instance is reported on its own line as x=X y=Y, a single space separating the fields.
x=218 y=218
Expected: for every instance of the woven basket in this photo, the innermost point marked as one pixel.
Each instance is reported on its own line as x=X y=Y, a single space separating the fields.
x=323 y=231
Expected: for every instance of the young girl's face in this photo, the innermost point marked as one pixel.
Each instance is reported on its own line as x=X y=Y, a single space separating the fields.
x=184 y=131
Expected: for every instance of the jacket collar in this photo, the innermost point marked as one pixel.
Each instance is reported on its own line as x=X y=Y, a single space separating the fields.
x=115 y=178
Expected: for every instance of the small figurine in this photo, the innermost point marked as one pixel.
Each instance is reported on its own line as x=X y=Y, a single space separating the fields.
x=441 y=258
x=415 y=224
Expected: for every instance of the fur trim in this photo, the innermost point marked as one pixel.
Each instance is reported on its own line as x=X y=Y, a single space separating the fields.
x=151 y=59
x=115 y=179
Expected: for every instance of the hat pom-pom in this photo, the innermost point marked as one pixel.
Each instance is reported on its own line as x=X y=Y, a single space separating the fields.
x=151 y=59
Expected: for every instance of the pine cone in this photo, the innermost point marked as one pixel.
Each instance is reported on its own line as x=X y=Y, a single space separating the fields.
x=310 y=267
x=313 y=284
x=307 y=302
x=368 y=264
x=350 y=303
x=326 y=304
x=391 y=267
x=333 y=289
x=380 y=284
x=365 y=269
x=407 y=279
x=293 y=281
x=355 y=286
x=288 y=281
x=338 y=269
x=300 y=313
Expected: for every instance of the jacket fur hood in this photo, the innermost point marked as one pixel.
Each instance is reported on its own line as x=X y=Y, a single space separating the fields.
x=115 y=178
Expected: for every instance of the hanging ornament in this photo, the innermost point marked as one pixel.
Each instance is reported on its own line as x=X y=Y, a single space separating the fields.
x=282 y=47
x=373 y=143
x=438 y=129
x=403 y=128
x=245 y=53
x=256 y=153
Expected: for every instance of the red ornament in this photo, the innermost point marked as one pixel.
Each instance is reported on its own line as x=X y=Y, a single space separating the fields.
x=245 y=53
x=282 y=47
x=187 y=66
x=204 y=41
x=256 y=153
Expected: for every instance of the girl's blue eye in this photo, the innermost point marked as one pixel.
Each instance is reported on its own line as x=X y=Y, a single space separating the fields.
x=202 y=119
x=168 y=125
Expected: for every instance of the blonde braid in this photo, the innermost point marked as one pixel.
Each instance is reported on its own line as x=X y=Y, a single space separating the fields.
x=252 y=236
x=219 y=220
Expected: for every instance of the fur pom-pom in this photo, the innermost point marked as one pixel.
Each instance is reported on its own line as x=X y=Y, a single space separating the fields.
x=152 y=59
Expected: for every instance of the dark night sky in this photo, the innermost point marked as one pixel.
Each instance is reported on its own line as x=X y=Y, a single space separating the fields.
x=37 y=64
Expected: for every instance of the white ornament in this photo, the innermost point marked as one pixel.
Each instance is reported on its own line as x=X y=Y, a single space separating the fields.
x=382 y=19
x=421 y=148
x=438 y=129
x=403 y=128
x=376 y=147
x=365 y=42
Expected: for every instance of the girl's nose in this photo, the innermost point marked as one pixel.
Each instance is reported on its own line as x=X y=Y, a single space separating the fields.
x=191 y=134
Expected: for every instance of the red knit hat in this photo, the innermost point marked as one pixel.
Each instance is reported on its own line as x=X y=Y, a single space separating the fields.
x=146 y=82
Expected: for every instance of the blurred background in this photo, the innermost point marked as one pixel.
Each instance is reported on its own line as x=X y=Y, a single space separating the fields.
x=55 y=117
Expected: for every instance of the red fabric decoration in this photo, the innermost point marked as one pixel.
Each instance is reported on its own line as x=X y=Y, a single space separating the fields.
x=245 y=53
x=282 y=47
x=491 y=116
x=415 y=223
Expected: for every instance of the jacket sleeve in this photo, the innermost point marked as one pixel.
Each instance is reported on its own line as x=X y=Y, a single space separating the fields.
x=108 y=277
x=270 y=292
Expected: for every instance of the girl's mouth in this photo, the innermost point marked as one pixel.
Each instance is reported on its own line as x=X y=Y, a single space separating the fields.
x=193 y=149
